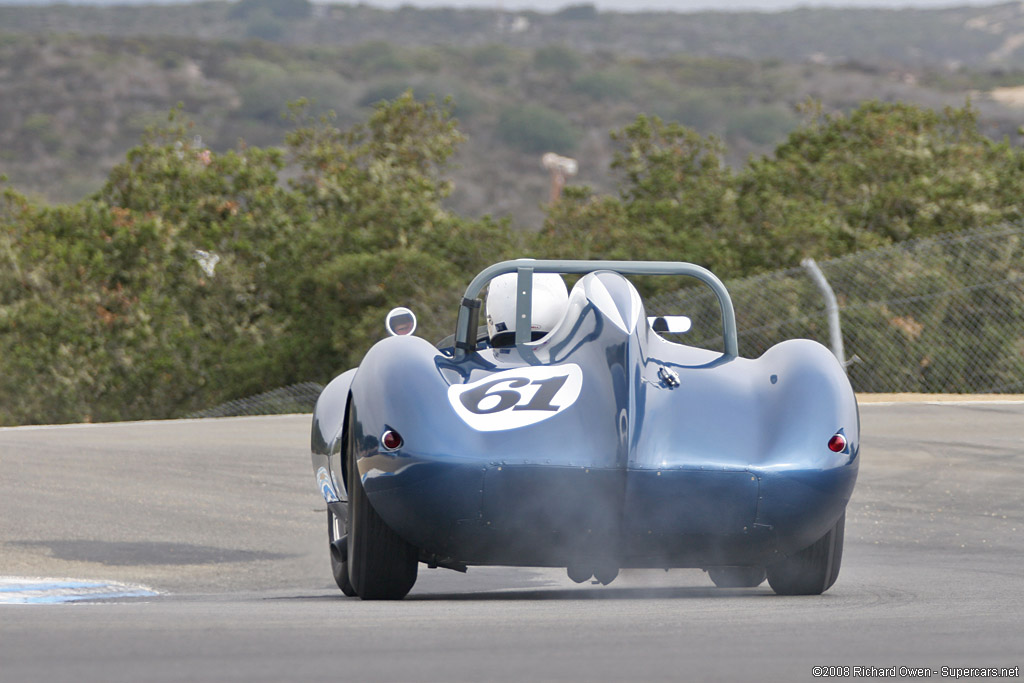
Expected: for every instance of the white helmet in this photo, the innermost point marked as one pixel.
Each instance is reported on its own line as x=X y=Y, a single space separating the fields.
x=550 y=301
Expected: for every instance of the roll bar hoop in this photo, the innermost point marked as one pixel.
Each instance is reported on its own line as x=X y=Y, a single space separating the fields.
x=469 y=310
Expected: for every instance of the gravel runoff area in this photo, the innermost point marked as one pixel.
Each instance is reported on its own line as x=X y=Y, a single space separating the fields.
x=939 y=398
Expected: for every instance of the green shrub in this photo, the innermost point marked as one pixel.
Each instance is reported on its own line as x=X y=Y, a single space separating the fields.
x=281 y=9
x=379 y=57
x=583 y=12
x=557 y=58
x=265 y=26
x=762 y=125
x=610 y=84
x=494 y=54
x=107 y=312
x=42 y=127
x=265 y=99
x=701 y=109
x=536 y=128
x=381 y=91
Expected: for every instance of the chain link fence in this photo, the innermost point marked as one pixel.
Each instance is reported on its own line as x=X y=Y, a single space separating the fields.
x=942 y=314
x=936 y=315
x=295 y=398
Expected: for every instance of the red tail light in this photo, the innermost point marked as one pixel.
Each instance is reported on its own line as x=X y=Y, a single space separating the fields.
x=837 y=444
x=391 y=440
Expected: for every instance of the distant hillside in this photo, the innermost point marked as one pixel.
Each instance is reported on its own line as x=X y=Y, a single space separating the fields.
x=967 y=35
x=73 y=104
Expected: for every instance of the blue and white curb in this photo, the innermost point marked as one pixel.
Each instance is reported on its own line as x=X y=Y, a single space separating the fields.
x=15 y=590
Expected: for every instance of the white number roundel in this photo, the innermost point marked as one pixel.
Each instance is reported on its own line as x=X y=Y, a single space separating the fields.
x=516 y=398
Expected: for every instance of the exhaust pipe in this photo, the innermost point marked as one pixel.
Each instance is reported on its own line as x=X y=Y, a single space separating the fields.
x=578 y=574
x=339 y=549
x=604 y=573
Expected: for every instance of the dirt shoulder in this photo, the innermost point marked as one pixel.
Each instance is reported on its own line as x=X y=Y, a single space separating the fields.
x=937 y=398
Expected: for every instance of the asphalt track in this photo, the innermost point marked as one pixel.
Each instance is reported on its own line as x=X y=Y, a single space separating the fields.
x=223 y=518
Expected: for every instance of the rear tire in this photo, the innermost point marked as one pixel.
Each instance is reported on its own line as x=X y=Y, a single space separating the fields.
x=339 y=567
x=381 y=564
x=737 y=577
x=813 y=570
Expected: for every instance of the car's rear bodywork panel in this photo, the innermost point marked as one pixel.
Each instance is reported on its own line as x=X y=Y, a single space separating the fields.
x=601 y=443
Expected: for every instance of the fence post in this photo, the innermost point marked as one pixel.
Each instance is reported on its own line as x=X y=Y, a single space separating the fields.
x=831 y=308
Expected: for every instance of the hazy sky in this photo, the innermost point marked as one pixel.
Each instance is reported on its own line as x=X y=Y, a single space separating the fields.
x=617 y=5
x=680 y=5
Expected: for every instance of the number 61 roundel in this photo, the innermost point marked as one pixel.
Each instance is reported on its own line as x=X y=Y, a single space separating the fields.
x=516 y=398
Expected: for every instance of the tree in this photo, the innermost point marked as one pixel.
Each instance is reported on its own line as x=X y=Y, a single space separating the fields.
x=675 y=203
x=117 y=314
x=535 y=128
x=883 y=174
x=192 y=278
x=381 y=237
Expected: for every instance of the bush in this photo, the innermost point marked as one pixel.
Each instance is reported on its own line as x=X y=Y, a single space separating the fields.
x=265 y=99
x=281 y=9
x=701 y=109
x=583 y=12
x=265 y=26
x=381 y=91
x=536 y=128
x=42 y=127
x=494 y=54
x=837 y=184
x=379 y=57
x=114 y=308
x=557 y=58
x=761 y=125
x=612 y=84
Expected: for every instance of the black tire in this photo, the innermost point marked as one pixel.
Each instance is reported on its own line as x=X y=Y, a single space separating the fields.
x=339 y=567
x=737 y=577
x=381 y=564
x=813 y=570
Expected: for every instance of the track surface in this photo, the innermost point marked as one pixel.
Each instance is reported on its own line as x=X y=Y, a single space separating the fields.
x=223 y=517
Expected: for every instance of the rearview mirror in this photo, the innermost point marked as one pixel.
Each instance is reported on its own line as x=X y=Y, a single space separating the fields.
x=401 y=322
x=673 y=324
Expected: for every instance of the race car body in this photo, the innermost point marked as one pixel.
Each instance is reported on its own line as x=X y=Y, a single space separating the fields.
x=600 y=446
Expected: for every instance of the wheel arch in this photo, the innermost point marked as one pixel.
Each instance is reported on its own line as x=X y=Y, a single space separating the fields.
x=330 y=423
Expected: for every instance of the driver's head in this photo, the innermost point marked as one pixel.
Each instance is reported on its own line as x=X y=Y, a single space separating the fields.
x=550 y=300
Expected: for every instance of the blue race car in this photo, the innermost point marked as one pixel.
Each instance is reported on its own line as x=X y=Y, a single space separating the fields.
x=572 y=433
